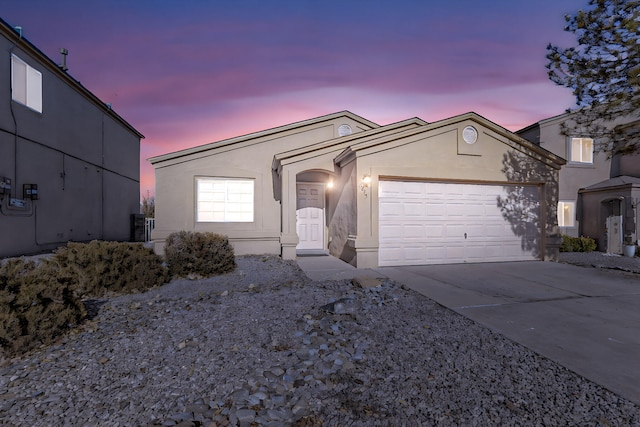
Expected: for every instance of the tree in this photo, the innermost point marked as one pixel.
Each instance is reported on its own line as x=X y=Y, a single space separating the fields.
x=148 y=206
x=603 y=71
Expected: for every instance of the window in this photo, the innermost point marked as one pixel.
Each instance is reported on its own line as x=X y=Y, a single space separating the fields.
x=224 y=200
x=26 y=84
x=581 y=150
x=566 y=214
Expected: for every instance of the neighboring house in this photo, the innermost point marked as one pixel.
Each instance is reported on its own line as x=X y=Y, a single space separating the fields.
x=458 y=190
x=69 y=165
x=598 y=194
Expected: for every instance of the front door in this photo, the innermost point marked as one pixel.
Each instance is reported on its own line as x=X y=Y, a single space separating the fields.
x=614 y=234
x=310 y=215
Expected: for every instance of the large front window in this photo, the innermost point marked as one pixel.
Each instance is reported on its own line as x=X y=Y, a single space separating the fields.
x=566 y=214
x=224 y=200
x=581 y=150
x=26 y=84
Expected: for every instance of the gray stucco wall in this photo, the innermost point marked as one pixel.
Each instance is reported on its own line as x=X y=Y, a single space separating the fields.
x=83 y=159
x=610 y=202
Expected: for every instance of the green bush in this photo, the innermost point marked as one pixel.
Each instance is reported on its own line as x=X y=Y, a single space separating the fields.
x=37 y=304
x=101 y=268
x=577 y=244
x=195 y=254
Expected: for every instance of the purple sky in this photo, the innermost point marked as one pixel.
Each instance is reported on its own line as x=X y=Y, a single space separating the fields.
x=189 y=72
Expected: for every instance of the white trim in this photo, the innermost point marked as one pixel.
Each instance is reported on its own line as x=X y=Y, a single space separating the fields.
x=581 y=155
x=566 y=213
x=225 y=199
x=26 y=84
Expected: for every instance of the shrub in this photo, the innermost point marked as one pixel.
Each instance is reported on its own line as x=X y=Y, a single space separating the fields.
x=110 y=267
x=577 y=244
x=190 y=254
x=37 y=304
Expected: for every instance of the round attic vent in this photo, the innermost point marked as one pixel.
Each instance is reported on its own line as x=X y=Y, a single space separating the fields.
x=470 y=135
x=344 y=130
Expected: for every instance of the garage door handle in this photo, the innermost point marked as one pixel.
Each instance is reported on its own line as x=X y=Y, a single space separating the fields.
x=465 y=236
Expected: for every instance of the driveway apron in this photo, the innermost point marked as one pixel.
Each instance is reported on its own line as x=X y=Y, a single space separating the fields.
x=585 y=319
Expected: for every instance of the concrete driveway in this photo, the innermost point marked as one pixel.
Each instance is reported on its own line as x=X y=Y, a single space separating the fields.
x=585 y=319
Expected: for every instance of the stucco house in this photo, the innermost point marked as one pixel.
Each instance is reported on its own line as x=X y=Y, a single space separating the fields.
x=69 y=165
x=598 y=194
x=457 y=190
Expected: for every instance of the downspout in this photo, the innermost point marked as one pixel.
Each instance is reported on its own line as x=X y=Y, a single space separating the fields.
x=544 y=209
x=15 y=122
x=102 y=181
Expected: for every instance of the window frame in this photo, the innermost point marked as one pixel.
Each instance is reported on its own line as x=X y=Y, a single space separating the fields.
x=561 y=205
x=233 y=200
x=30 y=95
x=580 y=154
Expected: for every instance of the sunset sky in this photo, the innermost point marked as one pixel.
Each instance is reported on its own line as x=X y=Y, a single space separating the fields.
x=190 y=72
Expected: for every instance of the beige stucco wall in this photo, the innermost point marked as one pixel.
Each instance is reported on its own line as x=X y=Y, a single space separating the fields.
x=343 y=223
x=242 y=158
x=417 y=151
x=437 y=155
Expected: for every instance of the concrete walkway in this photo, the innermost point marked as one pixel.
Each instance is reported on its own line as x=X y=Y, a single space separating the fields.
x=585 y=319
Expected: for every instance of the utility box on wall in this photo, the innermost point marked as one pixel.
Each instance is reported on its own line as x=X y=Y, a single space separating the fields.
x=30 y=191
x=137 y=227
x=5 y=185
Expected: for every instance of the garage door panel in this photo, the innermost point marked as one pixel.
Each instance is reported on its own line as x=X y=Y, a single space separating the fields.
x=414 y=232
x=434 y=231
x=425 y=223
x=389 y=232
x=390 y=208
x=454 y=231
x=414 y=208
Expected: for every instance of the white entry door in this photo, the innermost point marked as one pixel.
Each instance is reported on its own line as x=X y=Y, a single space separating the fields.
x=614 y=234
x=310 y=216
x=442 y=223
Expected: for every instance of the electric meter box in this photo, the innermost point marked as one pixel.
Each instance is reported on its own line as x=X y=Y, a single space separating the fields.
x=30 y=191
x=5 y=185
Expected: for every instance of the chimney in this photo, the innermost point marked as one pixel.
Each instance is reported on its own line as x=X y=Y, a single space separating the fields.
x=64 y=52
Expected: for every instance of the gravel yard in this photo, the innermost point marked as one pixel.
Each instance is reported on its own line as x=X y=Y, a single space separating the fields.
x=601 y=260
x=264 y=345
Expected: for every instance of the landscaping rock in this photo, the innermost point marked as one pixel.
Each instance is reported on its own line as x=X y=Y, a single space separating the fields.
x=290 y=351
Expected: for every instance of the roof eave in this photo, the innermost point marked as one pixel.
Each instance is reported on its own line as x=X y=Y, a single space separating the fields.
x=260 y=134
x=32 y=50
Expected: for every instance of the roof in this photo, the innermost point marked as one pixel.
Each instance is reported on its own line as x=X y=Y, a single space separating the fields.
x=29 y=48
x=332 y=144
x=619 y=181
x=543 y=122
x=264 y=134
x=515 y=141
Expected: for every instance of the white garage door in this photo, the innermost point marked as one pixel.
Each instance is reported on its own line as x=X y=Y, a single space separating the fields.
x=442 y=223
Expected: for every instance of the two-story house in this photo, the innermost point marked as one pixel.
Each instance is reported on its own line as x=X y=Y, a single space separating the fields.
x=69 y=165
x=598 y=193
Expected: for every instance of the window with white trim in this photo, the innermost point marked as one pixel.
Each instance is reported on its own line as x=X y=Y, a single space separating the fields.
x=224 y=200
x=566 y=214
x=26 y=84
x=581 y=150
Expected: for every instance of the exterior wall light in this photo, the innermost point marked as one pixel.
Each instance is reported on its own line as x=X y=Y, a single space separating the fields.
x=364 y=186
x=330 y=184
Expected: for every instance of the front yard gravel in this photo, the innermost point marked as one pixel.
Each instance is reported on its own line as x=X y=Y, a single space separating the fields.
x=264 y=345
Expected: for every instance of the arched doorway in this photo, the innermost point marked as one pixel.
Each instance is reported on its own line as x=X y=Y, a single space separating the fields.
x=311 y=203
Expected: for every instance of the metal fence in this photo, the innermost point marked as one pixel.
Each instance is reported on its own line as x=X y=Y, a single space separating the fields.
x=149 y=225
